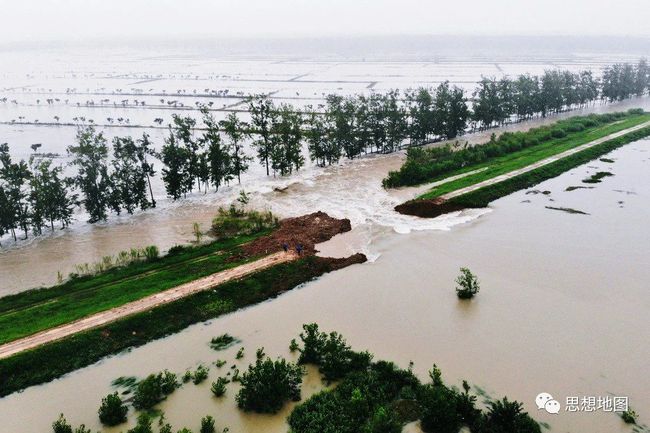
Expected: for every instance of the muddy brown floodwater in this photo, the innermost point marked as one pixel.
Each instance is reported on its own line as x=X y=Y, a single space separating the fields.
x=351 y=190
x=562 y=309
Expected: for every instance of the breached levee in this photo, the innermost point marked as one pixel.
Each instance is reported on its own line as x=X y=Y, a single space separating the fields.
x=428 y=208
x=52 y=359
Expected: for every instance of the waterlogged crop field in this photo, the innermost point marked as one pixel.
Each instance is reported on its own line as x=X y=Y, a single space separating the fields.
x=45 y=92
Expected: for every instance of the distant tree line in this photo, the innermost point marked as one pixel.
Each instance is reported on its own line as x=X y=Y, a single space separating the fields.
x=35 y=194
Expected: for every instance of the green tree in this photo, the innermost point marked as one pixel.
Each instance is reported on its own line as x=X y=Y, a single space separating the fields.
x=145 y=150
x=467 y=284
x=49 y=194
x=183 y=131
x=236 y=131
x=6 y=213
x=262 y=117
x=525 y=96
x=207 y=424
x=15 y=177
x=112 y=410
x=143 y=425
x=340 y=114
x=505 y=416
x=129 y=175
x=267 y=385
x=61 y=425
x=421 y=115
x=451 y=111
x=93 y=179
x=395 y=122
x=218 y=153
x=486 y=103
x=286 y=135
x=175 y=174
x=318 y=143
x=154 y=389
x=642 y=79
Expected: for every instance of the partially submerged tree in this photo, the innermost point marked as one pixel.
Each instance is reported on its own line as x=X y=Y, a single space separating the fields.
x=90 y=155
x=112 y=410
x=468 y=284
x=267 y=385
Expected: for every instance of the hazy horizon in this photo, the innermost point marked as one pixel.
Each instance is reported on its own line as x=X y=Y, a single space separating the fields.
x=68 y=20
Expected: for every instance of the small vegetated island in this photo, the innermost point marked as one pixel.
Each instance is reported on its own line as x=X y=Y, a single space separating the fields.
x=47 y=332
x=473 y=176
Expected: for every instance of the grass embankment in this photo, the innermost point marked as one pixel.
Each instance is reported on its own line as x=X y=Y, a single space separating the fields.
x=50 y=361
x=497 y=166
x=29 y=312
x=483 y=196
x=424 y=165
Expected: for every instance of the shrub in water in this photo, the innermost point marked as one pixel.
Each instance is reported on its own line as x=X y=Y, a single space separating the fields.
x=268 y=385
x=112 y=411
x=219 y=387
x=223 y=342
x=207 y=424
x=200 y=374
x=468 y=284
x=154 y=389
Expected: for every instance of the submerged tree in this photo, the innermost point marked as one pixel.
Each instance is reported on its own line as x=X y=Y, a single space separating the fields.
x=262 y=116
x=89 y=155
x=218 y=166
x=286 y=155
x=15 y=177
x=112 y=410
x=468 y=284
x=267 y=385
x=236 y=131
x=145 y=150
x=318 y=143
x=130 y=175
x=176 y=175
x=49 y=196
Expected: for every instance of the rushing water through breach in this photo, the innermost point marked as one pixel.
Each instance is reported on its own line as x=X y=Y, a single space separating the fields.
x=562 y=307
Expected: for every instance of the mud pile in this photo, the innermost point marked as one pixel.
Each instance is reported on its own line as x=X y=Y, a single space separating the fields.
x=307 y=230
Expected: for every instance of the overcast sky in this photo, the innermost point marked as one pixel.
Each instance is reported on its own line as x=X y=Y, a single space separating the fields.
x=24 y=20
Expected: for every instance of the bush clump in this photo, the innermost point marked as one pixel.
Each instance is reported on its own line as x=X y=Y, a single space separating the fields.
x=200 y=374
x=331 y=353
x=382 y=398
x=207 y=425
x=219 y=387
x=223 y=342
x=468 y=285
x=154 y=389
x=233 y=222
x=112 y=410
x=62 y=426
x=267 y=385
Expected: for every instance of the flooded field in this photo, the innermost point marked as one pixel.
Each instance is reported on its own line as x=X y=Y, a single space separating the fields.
x=561 y=310
x=564 y=294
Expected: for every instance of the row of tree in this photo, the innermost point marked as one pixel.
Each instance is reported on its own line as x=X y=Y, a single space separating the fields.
x=499 y=101
x=35 y=194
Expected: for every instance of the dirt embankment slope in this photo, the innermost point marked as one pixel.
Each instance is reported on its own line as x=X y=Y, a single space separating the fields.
x=307 y=231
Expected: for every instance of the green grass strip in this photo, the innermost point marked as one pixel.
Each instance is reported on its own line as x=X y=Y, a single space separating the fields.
x=484 y=196
x=52 y=360
x=29 y=312
x=525 y=157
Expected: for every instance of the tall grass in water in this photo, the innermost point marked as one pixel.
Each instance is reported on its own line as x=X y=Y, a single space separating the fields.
x=234 y=221
x=121 y=259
